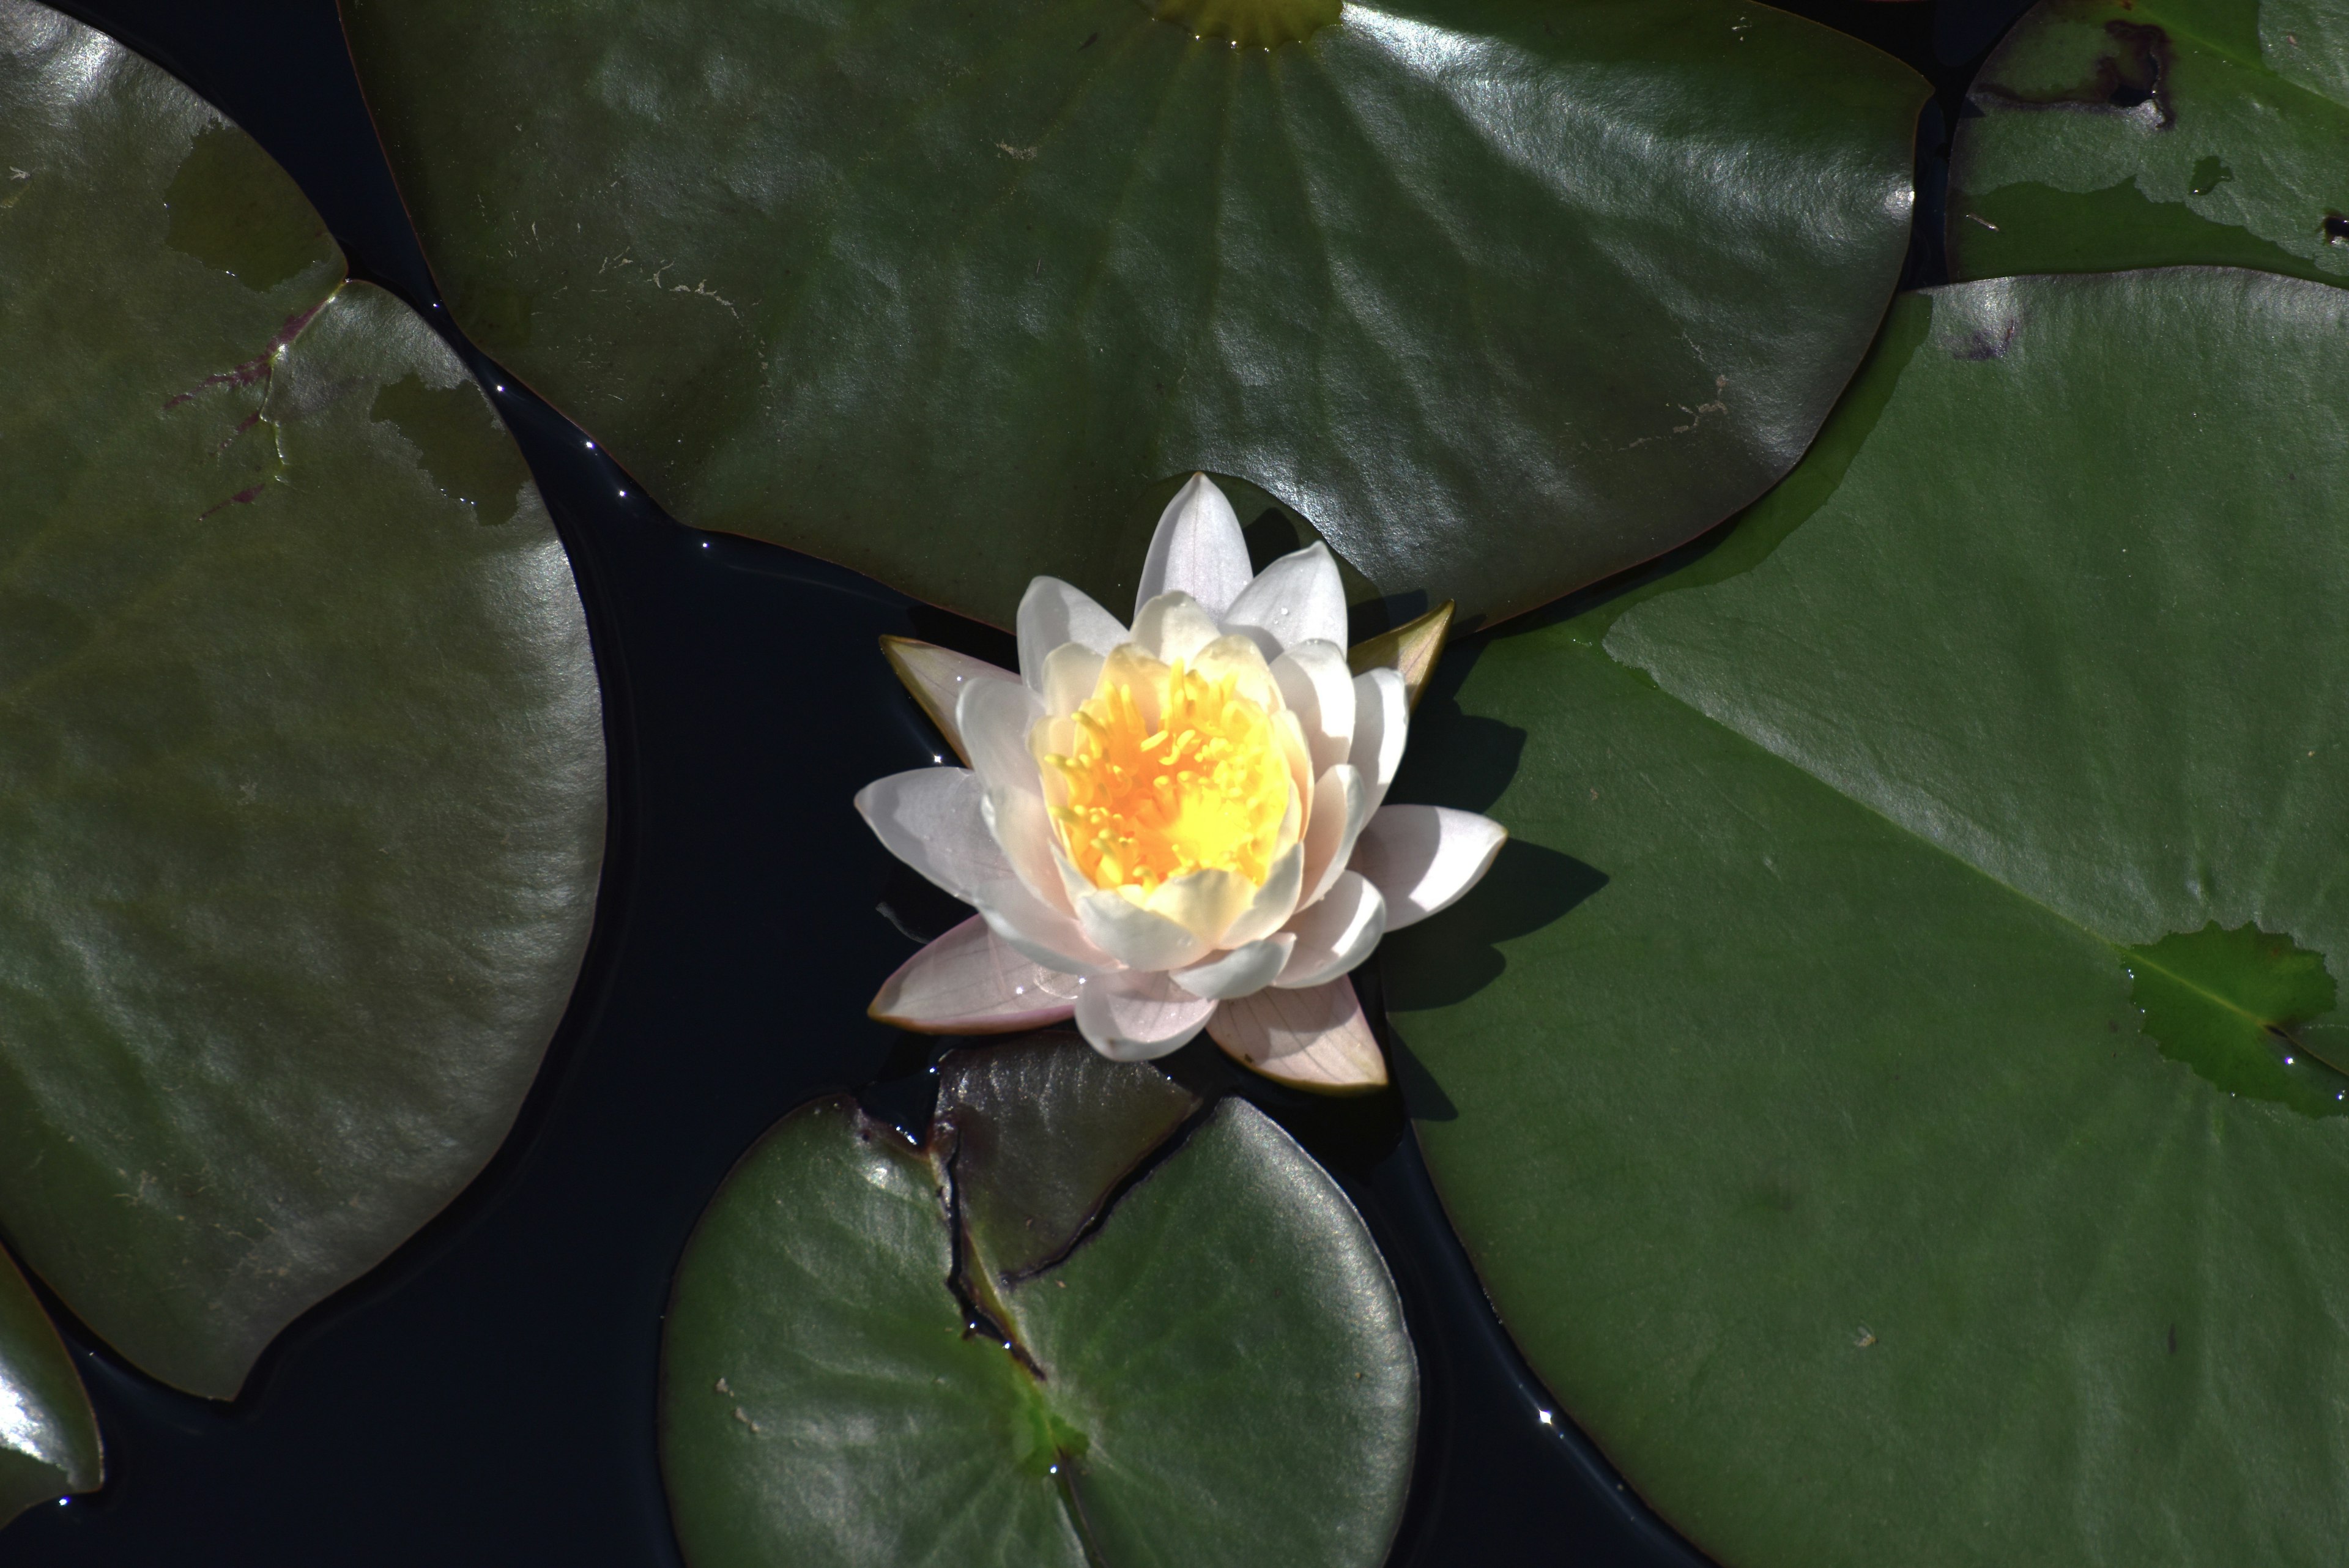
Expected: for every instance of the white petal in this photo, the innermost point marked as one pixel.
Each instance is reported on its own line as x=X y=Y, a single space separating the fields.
x=936 y=676
x=994 y=717
x=1315 y=1039
x=1131 y=1017
x=1071 y=672
x=1421 y=857
x=1203 y=902
x=1381 y=726
x=1052 y=613
x=1243 y=660
x=1320 y=689
x=1031 y=927
x=1342 y=804
x=1138 y=938
x=1336 y=933
x=1297 y=598
x=1237 y=972
x=1023 y=830
x=1274 y=902
x=1197 y=550
x=969 y=982
x=933 y=820
x=1173 y=627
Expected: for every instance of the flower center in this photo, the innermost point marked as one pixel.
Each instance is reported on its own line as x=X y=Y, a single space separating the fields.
x=1184 y=774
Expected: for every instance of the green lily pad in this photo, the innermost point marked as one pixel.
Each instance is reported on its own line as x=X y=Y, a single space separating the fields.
x=1811 y=1141
x=2132 y=133
x=48 y=1435
x=301 y=753
x=1506 y=296
x=1217 y=1371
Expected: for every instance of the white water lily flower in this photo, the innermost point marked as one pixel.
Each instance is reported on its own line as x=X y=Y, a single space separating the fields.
x=1175 y=826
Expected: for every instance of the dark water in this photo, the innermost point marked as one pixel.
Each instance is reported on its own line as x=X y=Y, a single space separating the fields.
x=486 y=1395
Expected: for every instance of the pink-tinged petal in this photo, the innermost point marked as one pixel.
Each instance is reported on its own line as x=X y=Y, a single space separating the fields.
x=1171 y=626
x=1381 y=726
x=936 y=676
x=994 y=717
x=1422 y=857
x=1197 y=550
x=1138 y=938
x=1134 y=1017
x=1071 y=672
x=1335 y=934
x=1342 y=804
x=969 y=982
x=1297 y=598
x=1237 y=972
x=1030 y=925
x=1315 y=1039
x=933 y=819
x=1274 y=902
x=1023 y=831
x=1052 y=613
x=1319 y=688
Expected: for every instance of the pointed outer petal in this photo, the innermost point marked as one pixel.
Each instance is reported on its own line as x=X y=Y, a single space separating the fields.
x=936 y=676
x=969 y=982
x=1336 y=933
x=1316 y=1039
x=1052 y=613
x=1422 y=857
x=1237 y=972
x=1070 y=672
x=934 y=820
x=1410 y=651
x=994 y=717
x=1342 y=804
x=1318 y=688
x=1173 y=627
x=1274 y=902
x=1030 y=927
x=1381 y=727
x=1297 y=598
x=1023 y=830
x=1138 y=938
x=1134 y=1017
x=1197 y=550
x=1238 y=656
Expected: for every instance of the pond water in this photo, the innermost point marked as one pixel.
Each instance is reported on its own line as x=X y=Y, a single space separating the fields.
x=488 y=1394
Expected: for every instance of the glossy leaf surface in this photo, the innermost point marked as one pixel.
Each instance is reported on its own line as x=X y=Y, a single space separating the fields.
x=48 y=1435
x=301 y=755
x=1799 y=1115
x=1221 y=1371
x=1503 y=295
x=2133 y=133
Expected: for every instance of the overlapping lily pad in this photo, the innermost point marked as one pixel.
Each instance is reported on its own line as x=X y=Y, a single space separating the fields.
x=1912 y=1143
x=1503 y=295
x=301 y=757
x=2131 y=133
x=1207 y=1362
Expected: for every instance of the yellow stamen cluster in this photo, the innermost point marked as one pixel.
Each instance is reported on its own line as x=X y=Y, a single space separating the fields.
x=1206 y=786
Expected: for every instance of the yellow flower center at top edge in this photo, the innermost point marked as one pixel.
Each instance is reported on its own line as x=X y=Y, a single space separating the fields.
x=1205 y=787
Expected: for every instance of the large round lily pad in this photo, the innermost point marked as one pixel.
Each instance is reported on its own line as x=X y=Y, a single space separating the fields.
x=1898 y=1117
x=301 y=755
x=1503 y=295
x=48 y=1435
x=1207 y=1360
x=2130 y=133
